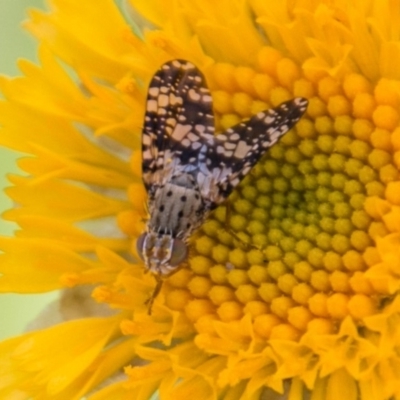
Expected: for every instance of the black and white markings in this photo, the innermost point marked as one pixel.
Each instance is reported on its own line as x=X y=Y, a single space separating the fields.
x=187 y=170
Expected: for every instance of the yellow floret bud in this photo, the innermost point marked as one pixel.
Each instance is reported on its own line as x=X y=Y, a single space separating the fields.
x=229 y=120
x=278 y=95
x=276 y=269
x=332 y=261
x=381 y=139
x=395 y=139
x=324 y=125
x=220 y=253
x=318 y=304
x=360 y=284
x=343 y=125
x=238 y=258
x=287 y=72
x=371 y=256
x=328 y=87
x=392 y=192
x=263 y=84
x=338 y=105
x=353 y=261
x=320 y=280
x=316 y=107
x=223 y=75
x=386 y=93
x=339 y=281
x=302 y=293
x=340 y=243
x=360 y=149
x=362 y=129
x=200 y=265
x=364 y=105
x=299 y=317
x=241 y=103
x=255 y=308
x=273 y=253
x=375 y=189
x=377 y=229
x=320 y=162
x=258 y=274
x=258 y=106
x=360 y=240
x=388 y=173
x=237 y=277
x=268 y=291
x=342 y=145
x=337 y=305
x=268 y=58
x=255 y=257
x=361 y=306
x=199 y=286
x=303 y=270
x=198 y=308
x=244 y=78
x=303 y=88
x=205 y=245
x=315 y=257
x=378 y=158
x=306 y=129
x=343 y=226
x=219 y=274
x=246 y=293
x=342 y=210
x=386 y=117
x=308 y=148
x=354 y=84
x=219 y=294
x=222 y=102
x=230 y=311
x=280 y=306
x=287 y=283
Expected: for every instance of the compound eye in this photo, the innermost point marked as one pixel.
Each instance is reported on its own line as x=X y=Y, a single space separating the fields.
x=178 y=253
x=140 y=244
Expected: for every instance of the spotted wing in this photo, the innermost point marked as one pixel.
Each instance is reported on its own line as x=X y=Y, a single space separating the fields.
x=233 y=153
x=178 y=120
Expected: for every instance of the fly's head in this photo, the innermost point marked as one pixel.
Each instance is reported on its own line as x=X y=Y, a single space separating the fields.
x=161 y=253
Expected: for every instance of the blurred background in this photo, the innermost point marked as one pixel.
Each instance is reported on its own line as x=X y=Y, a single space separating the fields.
x=15 y=310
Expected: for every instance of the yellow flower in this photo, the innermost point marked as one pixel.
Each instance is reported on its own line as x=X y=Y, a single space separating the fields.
x=300 y=294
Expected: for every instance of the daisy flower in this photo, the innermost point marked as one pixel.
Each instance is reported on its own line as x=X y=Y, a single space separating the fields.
x=298 y=297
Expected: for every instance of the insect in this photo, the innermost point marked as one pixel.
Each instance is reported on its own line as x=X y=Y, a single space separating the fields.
x=187 y=170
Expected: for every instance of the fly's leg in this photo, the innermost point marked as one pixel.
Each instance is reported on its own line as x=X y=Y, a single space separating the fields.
x=155 y=293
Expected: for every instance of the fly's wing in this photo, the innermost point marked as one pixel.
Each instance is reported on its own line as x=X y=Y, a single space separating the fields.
x=178 y=121
x=232 y=154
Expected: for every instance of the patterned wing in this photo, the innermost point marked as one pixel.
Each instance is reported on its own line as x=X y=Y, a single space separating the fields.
x=232 y=154
x=178 y=120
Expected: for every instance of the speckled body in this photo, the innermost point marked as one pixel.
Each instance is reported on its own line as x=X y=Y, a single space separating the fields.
x=187 y=169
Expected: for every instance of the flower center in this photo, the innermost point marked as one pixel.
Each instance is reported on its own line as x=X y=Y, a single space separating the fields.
x=293 y=245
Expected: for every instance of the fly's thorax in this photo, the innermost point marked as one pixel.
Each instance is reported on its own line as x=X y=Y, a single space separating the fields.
x=176 y=210
x=161 y=253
